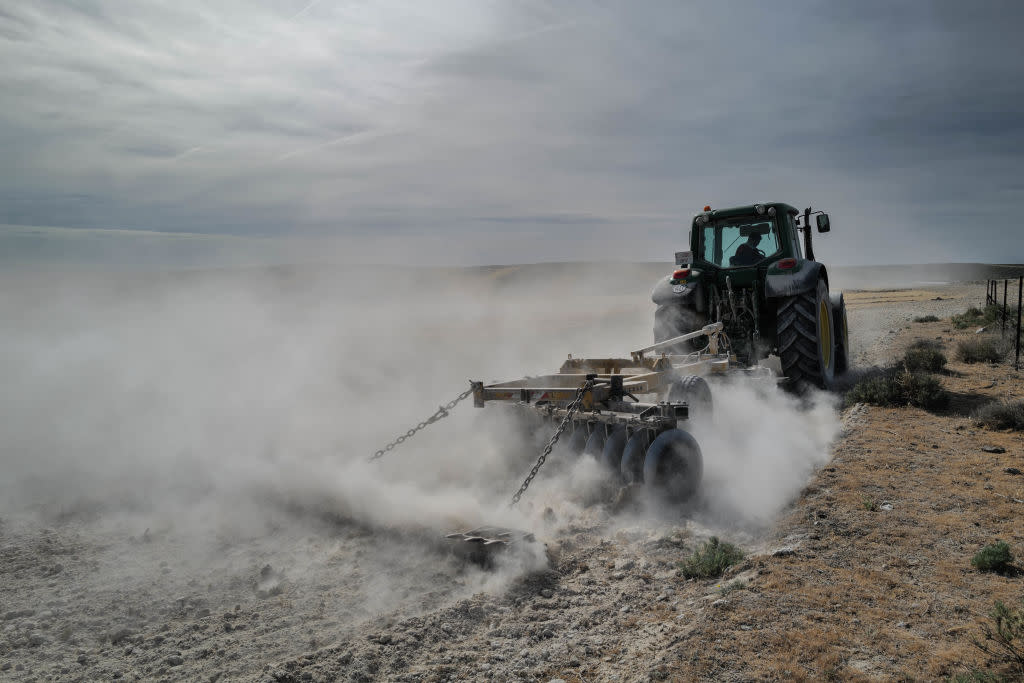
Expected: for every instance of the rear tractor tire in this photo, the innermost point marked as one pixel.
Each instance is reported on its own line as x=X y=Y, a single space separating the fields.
x=807 y=339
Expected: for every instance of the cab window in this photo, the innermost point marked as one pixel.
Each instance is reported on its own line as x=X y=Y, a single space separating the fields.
x=737 y=243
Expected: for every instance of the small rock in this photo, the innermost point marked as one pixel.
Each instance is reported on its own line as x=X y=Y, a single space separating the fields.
x=5 y=666
x=557 y=680
x=885 y=506
x=546 y=593
x=902 y=624
x=721 y=602
x=175 y=660
x=618 y=576
x=624 y=609
x=624 y=564
x=1013 y=470
x=36 y=639
x=993 y=449
x=784 y=552
x=745 y=627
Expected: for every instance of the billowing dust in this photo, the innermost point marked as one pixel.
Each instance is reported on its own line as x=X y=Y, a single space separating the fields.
x=209 y=424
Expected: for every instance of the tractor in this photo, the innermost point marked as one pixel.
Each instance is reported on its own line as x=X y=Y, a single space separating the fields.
x=746 y=270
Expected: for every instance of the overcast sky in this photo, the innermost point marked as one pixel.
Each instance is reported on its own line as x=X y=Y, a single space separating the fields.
x=486 y=131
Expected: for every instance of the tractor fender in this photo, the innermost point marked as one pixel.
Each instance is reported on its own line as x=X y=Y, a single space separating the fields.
x=804 y=278
x=688 y=294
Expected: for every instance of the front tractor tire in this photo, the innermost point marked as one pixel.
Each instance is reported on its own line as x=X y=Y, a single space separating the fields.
x=806 y=337
x=842 y=333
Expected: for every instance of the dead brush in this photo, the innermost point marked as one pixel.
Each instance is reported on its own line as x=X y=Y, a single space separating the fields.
x=1001 y=415
x=986 y=349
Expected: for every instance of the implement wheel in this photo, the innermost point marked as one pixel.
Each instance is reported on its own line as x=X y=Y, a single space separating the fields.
x=595 y=443
x=614 y=445
x=632 y=465
x=696 y=392
x=807 y=339
x=674 y=465
x=579 y=438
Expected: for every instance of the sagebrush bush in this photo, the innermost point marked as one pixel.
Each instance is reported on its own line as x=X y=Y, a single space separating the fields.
x=713 y=558
x=924 y=355
x=926 y=319
x=900 y=387
x=995 y=557
x=981 y=350
x=1002 y=415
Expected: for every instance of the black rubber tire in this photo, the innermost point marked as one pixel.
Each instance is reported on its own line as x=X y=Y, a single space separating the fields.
x=842 y=333
x=695 y=391
x=614 y=445
x=674 y=466
x=595 y=442
x=632 y=465
x=806 y=341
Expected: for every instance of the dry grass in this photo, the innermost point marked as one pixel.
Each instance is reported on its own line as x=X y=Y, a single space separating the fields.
x=874 y=593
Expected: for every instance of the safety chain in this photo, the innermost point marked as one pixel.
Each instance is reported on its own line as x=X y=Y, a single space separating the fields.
x=442 y=412
x=570 y=411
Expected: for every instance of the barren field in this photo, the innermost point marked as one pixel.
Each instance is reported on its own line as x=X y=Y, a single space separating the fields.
x=185 y=496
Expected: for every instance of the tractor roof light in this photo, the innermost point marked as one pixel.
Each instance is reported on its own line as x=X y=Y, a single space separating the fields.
x=760 y=209
x=707 y=208
x=771 y=210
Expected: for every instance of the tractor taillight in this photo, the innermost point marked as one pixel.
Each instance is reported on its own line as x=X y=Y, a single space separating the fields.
x=681 y=273
x=786 y=263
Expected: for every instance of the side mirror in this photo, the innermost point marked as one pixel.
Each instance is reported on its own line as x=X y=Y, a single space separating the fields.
x=823 y=225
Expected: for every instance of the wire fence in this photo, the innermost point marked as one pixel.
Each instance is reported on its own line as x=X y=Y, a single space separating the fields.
x=1009 y=311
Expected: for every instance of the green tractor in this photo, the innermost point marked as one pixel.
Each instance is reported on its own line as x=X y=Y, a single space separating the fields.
x=746 y=269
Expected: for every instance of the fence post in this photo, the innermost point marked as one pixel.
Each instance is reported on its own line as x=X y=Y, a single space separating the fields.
x=1002 y=333
x=1020 y=290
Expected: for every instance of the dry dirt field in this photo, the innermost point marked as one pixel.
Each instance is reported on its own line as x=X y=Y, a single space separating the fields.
x=863 y=573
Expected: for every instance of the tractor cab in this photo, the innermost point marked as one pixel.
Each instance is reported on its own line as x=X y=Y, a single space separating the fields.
x=748 y=268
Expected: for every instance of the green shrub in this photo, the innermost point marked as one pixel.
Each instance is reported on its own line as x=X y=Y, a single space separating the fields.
x=924 y=355
x=900 y=387
x=926 y=319
x=1002 y=415
x=981 y=350
x=995 y=557
x=713 y=558
x=976 y=317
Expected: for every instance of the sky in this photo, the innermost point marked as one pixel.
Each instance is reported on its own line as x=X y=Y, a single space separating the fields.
x=502 y=131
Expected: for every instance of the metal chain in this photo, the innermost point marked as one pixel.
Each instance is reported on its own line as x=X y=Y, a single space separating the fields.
x=570 y=411
x=442 y=412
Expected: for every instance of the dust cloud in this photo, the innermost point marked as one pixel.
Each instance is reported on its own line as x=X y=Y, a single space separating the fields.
x=231 y=413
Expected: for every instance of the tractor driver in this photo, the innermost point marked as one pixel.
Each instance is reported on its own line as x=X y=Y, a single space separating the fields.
x=748 y=254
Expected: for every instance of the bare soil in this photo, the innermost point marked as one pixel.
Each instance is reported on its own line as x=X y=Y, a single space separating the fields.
x=866 y=576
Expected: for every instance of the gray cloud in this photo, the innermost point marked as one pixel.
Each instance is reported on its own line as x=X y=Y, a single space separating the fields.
x=517 y=131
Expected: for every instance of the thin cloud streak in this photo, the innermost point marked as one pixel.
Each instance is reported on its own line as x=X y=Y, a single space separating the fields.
x=477 y=121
